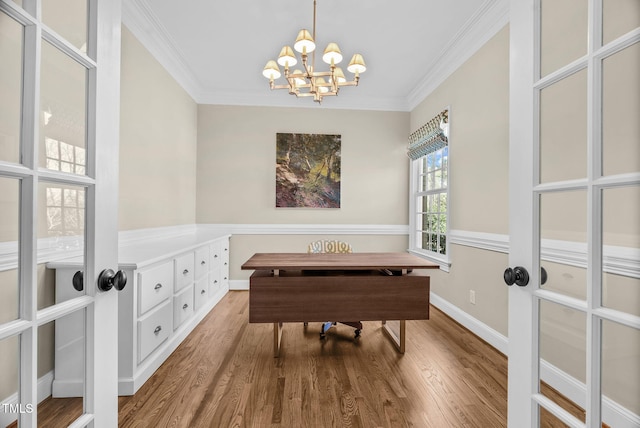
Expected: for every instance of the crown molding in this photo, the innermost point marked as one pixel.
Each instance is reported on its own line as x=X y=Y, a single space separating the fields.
x=138 y=17
x=482 y=26
x=284 y=99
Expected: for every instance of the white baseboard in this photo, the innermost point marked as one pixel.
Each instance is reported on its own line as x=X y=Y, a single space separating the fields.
x=486 y=333
x=44 y=391
x=239 y=284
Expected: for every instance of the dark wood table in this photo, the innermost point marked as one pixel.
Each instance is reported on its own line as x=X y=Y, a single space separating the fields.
x=301 y=287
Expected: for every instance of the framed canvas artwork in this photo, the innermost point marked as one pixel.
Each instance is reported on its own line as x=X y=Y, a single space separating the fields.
x=308 y=170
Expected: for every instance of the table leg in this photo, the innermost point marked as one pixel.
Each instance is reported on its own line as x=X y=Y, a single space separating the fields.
x=398 y=341
x=277 y=338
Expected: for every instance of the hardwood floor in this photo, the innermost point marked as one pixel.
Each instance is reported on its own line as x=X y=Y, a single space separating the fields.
x=224 y=375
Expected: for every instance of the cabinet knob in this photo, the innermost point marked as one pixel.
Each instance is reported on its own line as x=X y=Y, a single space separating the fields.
x=203 y=263
x=185 y=306
x=109 y=279
x=186 y=271
x=158 y=286
x=157 y=330
x=203 y=291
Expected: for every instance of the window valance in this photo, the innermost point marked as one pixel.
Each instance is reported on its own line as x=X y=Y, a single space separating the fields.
x=429 y=137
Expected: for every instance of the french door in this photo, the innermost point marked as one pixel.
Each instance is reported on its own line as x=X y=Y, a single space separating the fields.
x=574 y=323
x=59 y=128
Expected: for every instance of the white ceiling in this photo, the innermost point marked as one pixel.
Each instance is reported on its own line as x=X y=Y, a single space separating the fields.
x=217 y=49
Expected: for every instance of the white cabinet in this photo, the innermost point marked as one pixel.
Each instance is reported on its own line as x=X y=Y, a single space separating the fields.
x=172 y=284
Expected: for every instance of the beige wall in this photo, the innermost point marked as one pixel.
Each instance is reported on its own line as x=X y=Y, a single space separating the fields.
x=157 y=143
x=237 y=156
x=236 y=173
x=478 y=97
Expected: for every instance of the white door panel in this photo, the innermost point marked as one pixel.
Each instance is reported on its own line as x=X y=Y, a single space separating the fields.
x=574 y=209
x=59 y=121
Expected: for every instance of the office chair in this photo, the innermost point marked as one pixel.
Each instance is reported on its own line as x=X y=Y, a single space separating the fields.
x=334 y=246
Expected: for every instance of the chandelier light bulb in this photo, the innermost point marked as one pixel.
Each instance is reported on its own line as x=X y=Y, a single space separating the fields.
x=299 y=80
x=332 y=54
x=357 y=65
x=271 y=70
x=287 y=58
x=304 y=42
x=321 y=85
x=339 y=75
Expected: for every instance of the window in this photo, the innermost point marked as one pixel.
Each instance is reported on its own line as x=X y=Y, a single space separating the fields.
x=429 y=154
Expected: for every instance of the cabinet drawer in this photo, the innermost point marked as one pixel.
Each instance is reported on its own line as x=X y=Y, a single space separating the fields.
x=216 y=254
x=202 y=261
x=215 y=281
x=182 y=306
x=184 y=270
x=153 y=329
x=201 y=292
x=155 y=285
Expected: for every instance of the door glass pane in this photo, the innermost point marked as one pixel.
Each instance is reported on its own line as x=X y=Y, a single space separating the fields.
x=61 y=227
x=619 y=17
x=11 y=45
x=563 y=234
x=563 y=341
x=9 y=233
x=63 y=112
x=563 y=129
x=61 y=350
x=620 y=107
x=621 y=365
x=69 y=19
x=563 y=33
x=621 y=240
x=549 y=420
x=10 y=368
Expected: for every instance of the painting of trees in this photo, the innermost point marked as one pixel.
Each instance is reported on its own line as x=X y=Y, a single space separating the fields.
x=308 y=170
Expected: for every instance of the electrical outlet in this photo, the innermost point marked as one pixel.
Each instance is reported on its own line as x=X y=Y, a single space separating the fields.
x=472 y=297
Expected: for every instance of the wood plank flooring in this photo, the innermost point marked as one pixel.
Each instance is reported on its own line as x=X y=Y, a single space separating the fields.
x=224 y=375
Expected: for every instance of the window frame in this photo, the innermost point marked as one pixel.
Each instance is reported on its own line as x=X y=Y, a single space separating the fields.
x=443 y=260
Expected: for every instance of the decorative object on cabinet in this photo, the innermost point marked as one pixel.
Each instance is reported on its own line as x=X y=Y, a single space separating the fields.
x=308 y=170
x=173 y=284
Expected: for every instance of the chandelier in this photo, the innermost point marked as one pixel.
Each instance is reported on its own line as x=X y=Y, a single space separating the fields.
x=307 y=82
